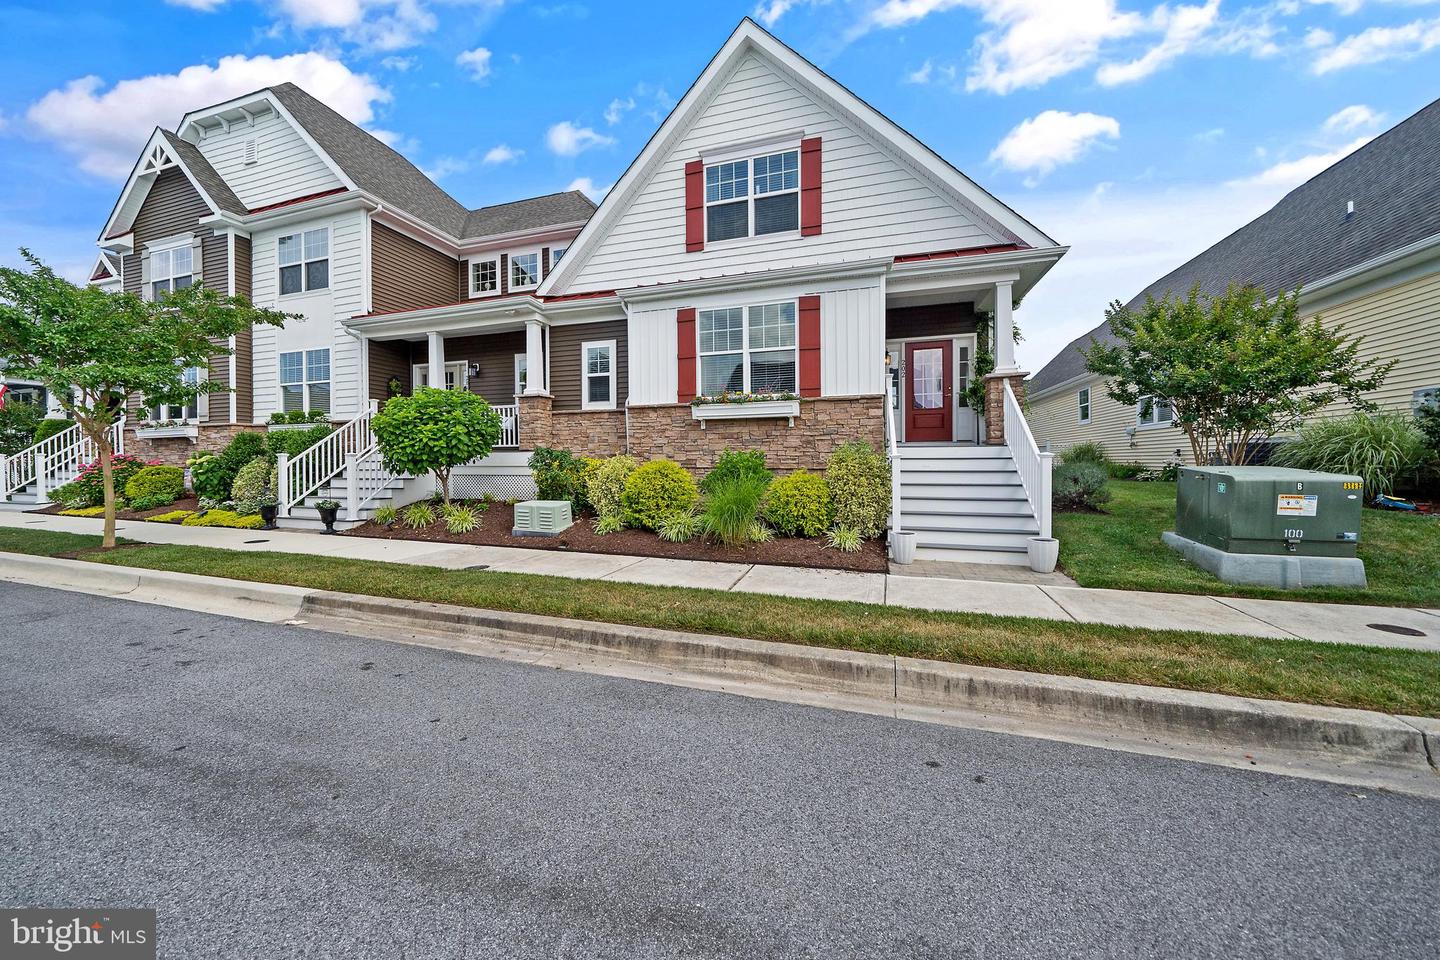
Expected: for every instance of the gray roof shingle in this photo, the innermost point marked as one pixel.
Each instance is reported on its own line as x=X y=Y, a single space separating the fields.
x=1394 y=182
x=382 y=171
x=200 y=168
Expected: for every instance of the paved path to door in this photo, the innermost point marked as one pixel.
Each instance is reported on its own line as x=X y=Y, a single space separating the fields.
x=1321 y=622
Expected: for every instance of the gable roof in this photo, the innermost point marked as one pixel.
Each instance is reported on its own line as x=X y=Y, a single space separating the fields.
x=107 y=268
x=571 y=206
x=1394 y=182
x=750 y=37
x=167 y=146
x=209 y=182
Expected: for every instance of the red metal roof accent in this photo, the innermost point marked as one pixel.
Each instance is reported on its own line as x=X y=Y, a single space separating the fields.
x=292 y=202
x=592 y=295
x=963 y=252
x=102 y=273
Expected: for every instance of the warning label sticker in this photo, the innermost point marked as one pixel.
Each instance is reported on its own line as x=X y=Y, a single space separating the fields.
x=1297 y=505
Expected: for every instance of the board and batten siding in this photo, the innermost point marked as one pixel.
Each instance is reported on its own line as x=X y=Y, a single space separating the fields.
x=566 y=341
x=653 y=372
x=322 y=313
x=852 y=342
x=873 y=203
x=406 y=274
x=285 y=167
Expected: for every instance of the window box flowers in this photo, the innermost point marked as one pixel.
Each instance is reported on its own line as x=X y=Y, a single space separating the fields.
x=162 y=429
x=753 y=406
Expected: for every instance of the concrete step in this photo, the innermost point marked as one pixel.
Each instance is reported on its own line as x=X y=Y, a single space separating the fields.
x=961 y=555
x=1020 y=523
x=303 y=518
x=960 y=506
x=960 y=478
x=970 y=539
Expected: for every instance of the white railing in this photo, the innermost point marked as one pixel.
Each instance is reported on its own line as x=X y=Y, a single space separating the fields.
x=509 y=424
x=54 y=461
x=306 y=473
x=1033 y=466
x=365 y=477
x=892 y=453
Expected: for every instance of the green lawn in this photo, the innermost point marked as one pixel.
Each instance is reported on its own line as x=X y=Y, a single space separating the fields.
x=1121 y=548
x=1395 y=681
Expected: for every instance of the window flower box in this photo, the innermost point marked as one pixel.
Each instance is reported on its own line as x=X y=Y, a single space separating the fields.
x=284 y=427
x=167 y=429
x=746 y=406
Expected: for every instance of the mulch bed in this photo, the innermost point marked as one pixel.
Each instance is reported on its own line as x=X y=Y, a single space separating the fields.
x=185 y=503
x=497 y=522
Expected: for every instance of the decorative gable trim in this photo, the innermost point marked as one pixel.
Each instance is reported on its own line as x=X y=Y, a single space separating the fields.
x=156 y=158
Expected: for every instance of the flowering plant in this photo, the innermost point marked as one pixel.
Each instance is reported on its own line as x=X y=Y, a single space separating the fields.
x=742 y=397
x=88 y=487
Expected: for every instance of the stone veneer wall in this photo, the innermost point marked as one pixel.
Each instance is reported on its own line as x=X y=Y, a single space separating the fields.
x=174 y=451
x=995 y=403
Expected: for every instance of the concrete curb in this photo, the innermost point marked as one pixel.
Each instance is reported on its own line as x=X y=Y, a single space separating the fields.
x=1325 y=742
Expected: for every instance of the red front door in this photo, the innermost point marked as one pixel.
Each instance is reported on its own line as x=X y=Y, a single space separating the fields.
x=929 y=409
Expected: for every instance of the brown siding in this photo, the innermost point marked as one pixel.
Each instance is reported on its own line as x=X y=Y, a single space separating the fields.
x=496 y=355
x=172 y=206
x=941 y=319
x=565 y=344
x=244 y=342
x=215 y=262
x=242 y=267
x=388 y=359
x=407 y=274
x=130 y=266
x=464 y=290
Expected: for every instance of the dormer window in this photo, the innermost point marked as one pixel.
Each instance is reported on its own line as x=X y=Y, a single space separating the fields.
x=484 y=276
x=524 y=270
x=753 y=196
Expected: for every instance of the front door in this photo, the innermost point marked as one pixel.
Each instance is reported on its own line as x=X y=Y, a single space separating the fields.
x=929 y=411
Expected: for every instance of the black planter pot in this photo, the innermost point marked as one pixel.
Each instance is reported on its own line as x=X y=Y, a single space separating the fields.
x=327 y=517
x=268 y=514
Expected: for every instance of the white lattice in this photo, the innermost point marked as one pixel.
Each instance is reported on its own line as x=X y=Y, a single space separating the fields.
x=502 y=486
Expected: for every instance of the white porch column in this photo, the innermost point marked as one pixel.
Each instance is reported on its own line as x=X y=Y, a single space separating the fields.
x=435 y=372
x=536 y=382
x=1004 y=328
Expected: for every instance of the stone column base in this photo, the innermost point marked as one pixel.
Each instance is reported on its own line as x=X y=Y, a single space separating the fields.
x=535 y=420
x=995 y=402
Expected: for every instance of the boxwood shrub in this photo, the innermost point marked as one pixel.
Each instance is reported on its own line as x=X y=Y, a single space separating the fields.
x=798 y=505
x=859 y=482
x=153 y=487
x=658 y=490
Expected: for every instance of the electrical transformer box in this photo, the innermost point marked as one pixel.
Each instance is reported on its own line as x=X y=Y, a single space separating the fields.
x=1270 y=510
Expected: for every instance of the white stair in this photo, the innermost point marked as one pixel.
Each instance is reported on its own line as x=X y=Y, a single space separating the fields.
x=965 y=503
x=305 y=515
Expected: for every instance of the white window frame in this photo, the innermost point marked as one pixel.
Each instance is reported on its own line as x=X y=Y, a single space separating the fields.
x=1082 y=403
x=1153 y=421
x=746 y=350
x=521 y=373
x=475 y=290
x=303 y=263
x=556 y=253
x=510 y=268
x=749 y=155
x=460 y=368
x=304 y=383
x=586 y=376
x=186 y=412
x=169 y=248
x=1423 y=396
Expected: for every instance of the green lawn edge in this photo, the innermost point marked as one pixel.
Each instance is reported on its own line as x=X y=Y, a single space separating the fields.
x=1387 y=680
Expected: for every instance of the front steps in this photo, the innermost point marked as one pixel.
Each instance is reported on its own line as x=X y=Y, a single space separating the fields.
x=965 y=504
x=305 y=515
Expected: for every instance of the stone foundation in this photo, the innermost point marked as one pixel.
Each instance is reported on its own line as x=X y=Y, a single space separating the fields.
x=534 y=412
x=823 y=424
x=174 y=451
x=995 y=402
x=588 y=433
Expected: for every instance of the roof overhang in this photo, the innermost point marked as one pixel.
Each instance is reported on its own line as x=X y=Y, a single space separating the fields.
x=1022 y=269
x=1397 y=266
x=157 y=157
x=874 y=267
x=481 y=316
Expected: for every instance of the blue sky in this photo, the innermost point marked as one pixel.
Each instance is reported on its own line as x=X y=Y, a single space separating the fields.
x=1138 y=133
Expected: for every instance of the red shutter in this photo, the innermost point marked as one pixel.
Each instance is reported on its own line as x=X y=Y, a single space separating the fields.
x=810 y=187
x=810 y=346
x=694 y=206
x=685 y=344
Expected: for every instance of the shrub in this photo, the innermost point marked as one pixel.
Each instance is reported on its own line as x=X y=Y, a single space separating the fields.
x=656 y=490
x=733 y=508
x=1381 y=450
x=295 y=442
x=300 y=416
x=1427 y=418
x=419 y=515
x=1079 y=486
x=18 y=423
x=460 y=520
x=859 y=482
x=386 y=515
x=733 y=464
x=174 y=516
x=1125 y=471
x=88 y=488
x=214 y=477
x=607 y=525
x=559 y=475
x=49 y=428
x=844 y=539
x=681 y=527
x=223 y=518
x=254 y=486
x=83 y=512
x=605 y=484
x=761 y=533
x=1088 y=452
x=798 y=505
x=156 y=486
x=433 y=431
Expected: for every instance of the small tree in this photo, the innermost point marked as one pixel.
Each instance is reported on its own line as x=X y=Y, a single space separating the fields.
x=434 y=431
x=1233 y=368
x=109 y=346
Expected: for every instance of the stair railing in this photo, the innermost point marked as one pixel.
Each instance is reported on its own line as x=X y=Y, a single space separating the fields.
x=54 y=461
x=1033 y=465
x=892 y=453
x=306 y=473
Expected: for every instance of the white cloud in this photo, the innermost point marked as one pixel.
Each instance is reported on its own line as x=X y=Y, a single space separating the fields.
x=617 y=109
x=1357 y=117
x=204 y=6
x=1052 y=139
x=1292 y=173
x=587 y=186
x=1183 y=27
x=475 y=62
x=922 y=75
x=1213 y=135
x=394 y=140
x=444 y=167
x=106 y=128
x=568 y=140
x=1317 y=37
x=768 y=13
x=502 y=153
x=398 y=64
x=1378 y=44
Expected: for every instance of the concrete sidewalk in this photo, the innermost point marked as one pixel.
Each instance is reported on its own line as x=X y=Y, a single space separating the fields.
x=1320 y=622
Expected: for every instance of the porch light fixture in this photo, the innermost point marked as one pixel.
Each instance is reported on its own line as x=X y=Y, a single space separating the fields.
x=474 y=369
x=889 y=360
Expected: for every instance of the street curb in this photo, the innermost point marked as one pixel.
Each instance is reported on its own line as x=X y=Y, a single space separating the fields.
x=1358 y=744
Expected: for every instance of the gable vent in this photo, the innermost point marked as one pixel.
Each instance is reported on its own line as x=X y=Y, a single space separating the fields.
x=252 y=151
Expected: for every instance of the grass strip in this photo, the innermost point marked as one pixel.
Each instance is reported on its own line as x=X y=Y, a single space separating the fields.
x=1389 y=680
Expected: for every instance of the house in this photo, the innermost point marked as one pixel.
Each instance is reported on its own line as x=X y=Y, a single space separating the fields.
x=777 y=238
x=1361 y=240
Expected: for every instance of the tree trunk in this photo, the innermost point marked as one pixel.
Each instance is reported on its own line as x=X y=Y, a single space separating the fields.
x=444 y=477
x=107 y=473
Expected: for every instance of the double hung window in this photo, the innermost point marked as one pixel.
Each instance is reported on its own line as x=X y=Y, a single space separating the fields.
x=748 y=349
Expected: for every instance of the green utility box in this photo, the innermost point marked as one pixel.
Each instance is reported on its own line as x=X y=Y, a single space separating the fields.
x=1270 y=511
x=541 y=518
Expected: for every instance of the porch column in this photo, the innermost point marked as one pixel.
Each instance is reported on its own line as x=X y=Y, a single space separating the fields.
x=1006 y=369
x=536 y=382
x=435 y=372
x=1004 y=328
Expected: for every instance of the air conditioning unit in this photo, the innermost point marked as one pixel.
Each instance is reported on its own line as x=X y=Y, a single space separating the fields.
x=542 y=518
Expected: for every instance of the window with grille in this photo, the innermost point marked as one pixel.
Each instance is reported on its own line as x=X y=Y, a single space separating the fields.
x=304 y=261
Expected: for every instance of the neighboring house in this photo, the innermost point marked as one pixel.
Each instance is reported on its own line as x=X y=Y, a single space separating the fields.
x=1361 y=240
x=777 y=235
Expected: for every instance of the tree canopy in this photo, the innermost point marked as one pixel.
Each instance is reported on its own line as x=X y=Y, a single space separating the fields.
x=1233 y=368
x=434 y=431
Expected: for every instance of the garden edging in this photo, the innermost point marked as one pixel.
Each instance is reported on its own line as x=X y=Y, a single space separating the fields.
x=1355 y=746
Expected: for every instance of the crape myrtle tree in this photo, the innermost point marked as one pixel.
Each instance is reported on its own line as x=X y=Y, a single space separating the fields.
x=434 y=431
x=1234 y=368
x=92 y=349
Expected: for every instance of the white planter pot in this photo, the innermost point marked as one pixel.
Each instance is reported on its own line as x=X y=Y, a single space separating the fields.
x=1044 y=554
x=902 y=546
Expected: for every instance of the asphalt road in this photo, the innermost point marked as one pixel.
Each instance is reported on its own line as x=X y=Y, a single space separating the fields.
x=278 y=792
